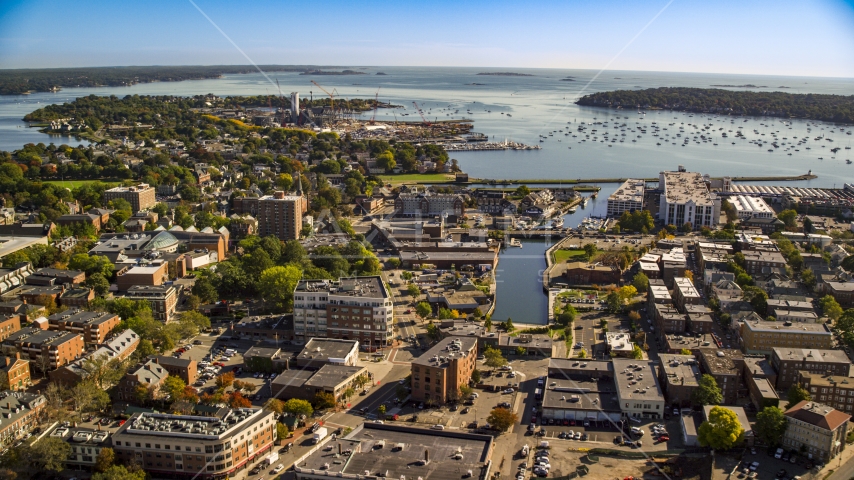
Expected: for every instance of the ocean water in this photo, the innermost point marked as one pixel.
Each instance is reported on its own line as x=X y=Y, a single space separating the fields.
x=522 y=108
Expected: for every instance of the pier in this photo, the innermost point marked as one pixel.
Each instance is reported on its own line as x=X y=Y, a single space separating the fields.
x=536 y=181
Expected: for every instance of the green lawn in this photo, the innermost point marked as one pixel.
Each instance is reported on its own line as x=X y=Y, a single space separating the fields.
x=417 y=178
x=77 y=183
x=561 y=255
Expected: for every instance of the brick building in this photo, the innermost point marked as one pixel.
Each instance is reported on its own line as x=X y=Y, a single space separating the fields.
x=438 y=373
x=94 y=326
x=140 y=197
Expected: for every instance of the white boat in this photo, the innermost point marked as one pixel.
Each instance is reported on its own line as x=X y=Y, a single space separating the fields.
x=514 y=242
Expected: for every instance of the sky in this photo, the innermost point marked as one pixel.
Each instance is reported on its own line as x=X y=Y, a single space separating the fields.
x=769 y=37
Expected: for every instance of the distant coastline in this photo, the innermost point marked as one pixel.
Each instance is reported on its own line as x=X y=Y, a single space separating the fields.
x=332 y=72
x=828 y=108
x=506 y=74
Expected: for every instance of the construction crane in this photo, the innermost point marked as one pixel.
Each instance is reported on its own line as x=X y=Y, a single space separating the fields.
x=331 y=97
x=376 y=104
x=418 y=109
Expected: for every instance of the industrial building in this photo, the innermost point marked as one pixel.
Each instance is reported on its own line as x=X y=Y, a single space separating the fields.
x=750 y=207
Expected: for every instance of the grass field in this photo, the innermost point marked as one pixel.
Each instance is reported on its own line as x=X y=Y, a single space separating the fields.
x=417 y=178
x=77 y=183
x=561 y=255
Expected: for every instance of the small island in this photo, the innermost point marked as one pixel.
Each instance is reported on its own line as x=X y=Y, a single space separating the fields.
x=381 y=73
x=332 y=72
x=748 y=85
x=506 y=74
x=568 y=79
x=476 y=84
x=828 y=108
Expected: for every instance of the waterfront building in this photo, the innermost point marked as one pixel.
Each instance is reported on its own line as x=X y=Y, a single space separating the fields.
x=627 y=198
x=686 y=199
x=411 y=204
x=750 y=207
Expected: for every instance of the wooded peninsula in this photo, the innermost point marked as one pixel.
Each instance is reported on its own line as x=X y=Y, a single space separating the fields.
x=829 y=108
x=22 y=81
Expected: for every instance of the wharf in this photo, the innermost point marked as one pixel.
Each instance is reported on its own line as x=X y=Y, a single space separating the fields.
x=535 y=181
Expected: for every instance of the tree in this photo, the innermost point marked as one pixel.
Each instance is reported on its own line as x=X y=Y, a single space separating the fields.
x=522 y=191
x=324 y=400
x=634 y=316
x=721 y=431
x=501 y=418
x=757 y=297
x=297 y=407
x=196 y=319
x=637 y=352
x=508 y=325
x=105 y=459
x=685 y=351
x=707 y=392
x=590 y=251
x=475 y=376
x=99 y=283
x=204 y=289
x=225 y=380
x=413 y=290
x=493 y=358
x=770 y=425
x=48 y=454
x=689 y=275
x=120 y=472
x=381 y=410
x=613 y=302
x=789 y=217
x=583 y=353
x=277 y=285
x=275 y=405
x=640 y=282
x=627 y=292
x=386 y=161
x=830 y=307
x=173 y=386
x=281 y=431
x=487 y=324
x=808 y=279
x=796 y=394
x=91 y=264
x=567 y=316
x=423 y=310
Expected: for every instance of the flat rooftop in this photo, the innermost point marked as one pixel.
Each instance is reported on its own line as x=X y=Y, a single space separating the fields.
x=680 y=187
x=637 y=379
x=680 y=369
x=362 y=287
x=580 y=394
x=330 y=376
x=447 y=348
x=393 y=451
x=812 y=355
x=82 y=317
x=323 y=349
x=724 y=361
x=190 y=426
x=788 y=327
x=630 y=191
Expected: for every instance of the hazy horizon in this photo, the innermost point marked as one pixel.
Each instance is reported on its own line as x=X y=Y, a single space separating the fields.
x=764 y=37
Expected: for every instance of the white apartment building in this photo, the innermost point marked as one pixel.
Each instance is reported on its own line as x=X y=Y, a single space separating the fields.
x=357 y=308
x=627 y=198
x=686 y=198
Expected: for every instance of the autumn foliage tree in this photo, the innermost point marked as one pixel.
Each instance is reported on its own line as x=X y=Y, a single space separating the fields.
x=502 y=418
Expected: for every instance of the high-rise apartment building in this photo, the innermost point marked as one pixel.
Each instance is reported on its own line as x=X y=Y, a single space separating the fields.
x=140 y=197
x=279 y=214
x=687 y=199
x=356 y=308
